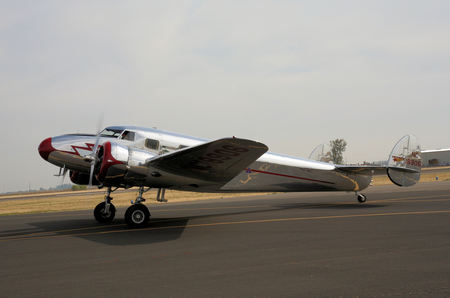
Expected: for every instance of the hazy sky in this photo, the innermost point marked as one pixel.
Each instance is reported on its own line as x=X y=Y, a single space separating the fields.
x=291 y=74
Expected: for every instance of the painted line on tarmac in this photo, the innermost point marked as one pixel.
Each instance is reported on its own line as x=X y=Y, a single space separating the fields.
x=62 y=231
x=274 y=220
x=212 y=208
x=413 y=199
x=31 y=235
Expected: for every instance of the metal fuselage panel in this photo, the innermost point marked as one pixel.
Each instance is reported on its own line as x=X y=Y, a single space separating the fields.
x=265 y=176
x=271 y=172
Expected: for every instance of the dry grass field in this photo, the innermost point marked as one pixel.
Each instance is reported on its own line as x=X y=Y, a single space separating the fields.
x=78 y=201
x=40 y=203
x=428 y=175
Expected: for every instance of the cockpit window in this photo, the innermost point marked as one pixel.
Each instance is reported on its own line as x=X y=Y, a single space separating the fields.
x=128 y=135
x=111 y=133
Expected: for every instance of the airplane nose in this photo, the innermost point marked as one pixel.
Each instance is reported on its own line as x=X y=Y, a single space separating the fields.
x=45 y=148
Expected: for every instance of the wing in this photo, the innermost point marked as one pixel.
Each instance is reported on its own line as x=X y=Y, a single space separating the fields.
x=216 y=161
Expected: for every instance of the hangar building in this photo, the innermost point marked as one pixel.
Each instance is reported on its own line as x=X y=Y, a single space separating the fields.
x=436 y=158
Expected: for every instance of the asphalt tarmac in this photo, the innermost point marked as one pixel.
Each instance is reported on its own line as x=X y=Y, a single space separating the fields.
x=279 y=245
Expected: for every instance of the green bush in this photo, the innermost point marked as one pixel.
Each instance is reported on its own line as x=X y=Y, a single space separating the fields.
x=79 y=187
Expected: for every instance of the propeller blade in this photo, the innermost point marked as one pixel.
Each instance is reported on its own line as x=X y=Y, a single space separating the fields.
x=94 y=151
x=91 y=174
x=64 y=175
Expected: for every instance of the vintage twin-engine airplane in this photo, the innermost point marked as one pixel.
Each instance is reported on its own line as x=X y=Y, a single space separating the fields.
x=127 y=156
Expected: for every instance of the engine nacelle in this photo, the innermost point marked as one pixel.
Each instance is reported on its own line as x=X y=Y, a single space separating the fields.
x=81 y=178
x=115 y=159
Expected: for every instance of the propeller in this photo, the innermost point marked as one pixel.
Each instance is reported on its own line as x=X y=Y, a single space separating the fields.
x=62 y=173
x=94 y=157
x=65 y=170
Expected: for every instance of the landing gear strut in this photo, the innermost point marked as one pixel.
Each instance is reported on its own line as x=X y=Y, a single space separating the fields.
x=360 y=197
x=105 y=211
x=160 y=197
x=137 y=215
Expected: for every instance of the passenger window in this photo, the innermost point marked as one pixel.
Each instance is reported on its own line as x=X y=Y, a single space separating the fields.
x=128 y=135
x=152 y=144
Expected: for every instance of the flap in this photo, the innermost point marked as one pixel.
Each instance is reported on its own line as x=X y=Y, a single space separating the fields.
x=216 y=161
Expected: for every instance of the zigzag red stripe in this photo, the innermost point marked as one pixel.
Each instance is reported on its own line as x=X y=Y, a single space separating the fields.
x=89 y=147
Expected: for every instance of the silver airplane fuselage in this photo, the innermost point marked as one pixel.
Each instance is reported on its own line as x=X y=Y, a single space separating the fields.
x=271 y=172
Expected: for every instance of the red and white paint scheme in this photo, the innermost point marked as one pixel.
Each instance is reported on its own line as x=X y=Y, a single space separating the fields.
x=128 y=156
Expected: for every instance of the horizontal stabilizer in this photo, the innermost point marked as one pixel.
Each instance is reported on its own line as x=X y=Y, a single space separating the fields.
x=372 y=170
x=216 y=161
x=403 y=167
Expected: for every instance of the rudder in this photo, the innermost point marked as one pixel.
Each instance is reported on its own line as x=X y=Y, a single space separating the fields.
x=404 y=162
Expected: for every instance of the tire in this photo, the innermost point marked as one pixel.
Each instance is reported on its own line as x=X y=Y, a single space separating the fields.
x=100 y=216
x=137 y=216
x=361 y=198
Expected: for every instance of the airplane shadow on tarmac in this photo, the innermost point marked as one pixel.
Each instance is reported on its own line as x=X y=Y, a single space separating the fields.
x=158 y=230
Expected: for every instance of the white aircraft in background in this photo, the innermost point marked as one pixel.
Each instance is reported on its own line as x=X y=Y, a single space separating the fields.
x=128 y=156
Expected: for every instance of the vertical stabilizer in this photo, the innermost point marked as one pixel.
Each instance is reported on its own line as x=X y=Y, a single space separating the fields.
x=404 y=162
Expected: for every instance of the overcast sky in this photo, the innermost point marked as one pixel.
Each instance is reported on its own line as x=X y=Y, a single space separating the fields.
x=292 y=74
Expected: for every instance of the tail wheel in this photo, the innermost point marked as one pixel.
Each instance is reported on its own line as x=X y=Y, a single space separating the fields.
x=361 y=198
x=137 y=216
x=103 y=216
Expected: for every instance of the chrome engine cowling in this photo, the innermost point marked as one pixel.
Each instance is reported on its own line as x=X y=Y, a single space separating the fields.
x=116 y=161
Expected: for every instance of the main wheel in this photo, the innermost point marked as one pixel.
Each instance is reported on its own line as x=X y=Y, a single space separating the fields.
x=137 y=216
x=361 y=198
x=102 y=216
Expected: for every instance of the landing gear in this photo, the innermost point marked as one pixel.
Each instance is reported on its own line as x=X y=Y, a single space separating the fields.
x=105 y=211
x=103 y=216
x=361 y=198
x=140 y=198
x=137 y=215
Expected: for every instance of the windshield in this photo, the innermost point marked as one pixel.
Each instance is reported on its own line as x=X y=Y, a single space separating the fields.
x=128 y=135
x=111 y=133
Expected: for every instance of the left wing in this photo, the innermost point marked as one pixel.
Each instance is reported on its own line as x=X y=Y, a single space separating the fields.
x=216 y=161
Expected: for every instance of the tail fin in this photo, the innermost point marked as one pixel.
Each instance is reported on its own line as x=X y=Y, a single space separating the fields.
x=404 y=162
x=320 y=153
